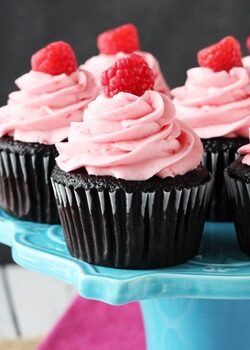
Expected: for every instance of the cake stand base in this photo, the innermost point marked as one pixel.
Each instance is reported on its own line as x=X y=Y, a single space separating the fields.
x=203 y=304
x=196 y=324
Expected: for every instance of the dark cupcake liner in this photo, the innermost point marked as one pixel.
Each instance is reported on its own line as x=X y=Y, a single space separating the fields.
x=132 y=230
x=25 y=187
x=216 y=159
x=239 y=198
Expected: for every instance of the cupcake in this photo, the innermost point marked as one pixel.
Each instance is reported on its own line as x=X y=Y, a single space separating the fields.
x=117 y=43
x=52 y=95
x=130 y=190
x=215 y=102
x=237 y=176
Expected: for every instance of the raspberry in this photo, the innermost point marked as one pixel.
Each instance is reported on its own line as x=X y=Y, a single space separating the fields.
x=223 y=55
x=248 y=43
x=56 y=58
x=131 y=74
x=124 y=38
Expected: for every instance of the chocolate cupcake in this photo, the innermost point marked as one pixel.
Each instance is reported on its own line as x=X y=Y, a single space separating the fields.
x=52 y=95
x=130 y=190
x=215 y=102
x=237 y=176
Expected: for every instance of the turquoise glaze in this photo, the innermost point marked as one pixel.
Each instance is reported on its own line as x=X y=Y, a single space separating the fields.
x=219 y=271
x=202 y=304
x=197 y=324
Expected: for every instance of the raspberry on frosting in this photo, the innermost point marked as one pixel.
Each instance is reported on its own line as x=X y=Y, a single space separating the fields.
x=55 y=58
x=223 y=55
x=119 y=43
x=131 y=74
x=123 y=38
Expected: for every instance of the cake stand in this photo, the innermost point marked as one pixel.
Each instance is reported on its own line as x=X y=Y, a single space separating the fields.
x=203 y=304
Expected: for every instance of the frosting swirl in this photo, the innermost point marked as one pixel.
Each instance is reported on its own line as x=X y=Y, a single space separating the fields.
x=131 y=137
x=215 y=104
x=246 y=62
x=245 y=150
x=97 y=64
x=46 y=105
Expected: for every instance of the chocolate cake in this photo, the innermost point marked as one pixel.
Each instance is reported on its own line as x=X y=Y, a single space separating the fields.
x=219 y=152
x=237 y=177
x=25 y=187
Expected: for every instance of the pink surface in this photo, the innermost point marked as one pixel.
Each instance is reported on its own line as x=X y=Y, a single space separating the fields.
x=92 y=325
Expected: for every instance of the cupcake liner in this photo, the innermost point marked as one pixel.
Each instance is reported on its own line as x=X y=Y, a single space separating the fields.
x=216 y=162
x=25 y=188
x=132 y=230
x=239 y=198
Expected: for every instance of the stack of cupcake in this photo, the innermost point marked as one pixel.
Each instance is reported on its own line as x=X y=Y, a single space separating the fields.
x=129 y=185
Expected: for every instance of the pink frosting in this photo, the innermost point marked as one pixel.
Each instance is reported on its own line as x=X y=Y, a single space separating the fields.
x=215 y=104
x=246 y=62
x=97 y=64
x=42 y=110
x=245 y=150
x=132 y=138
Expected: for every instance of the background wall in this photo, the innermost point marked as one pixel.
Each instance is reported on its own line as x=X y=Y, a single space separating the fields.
x=173 y=30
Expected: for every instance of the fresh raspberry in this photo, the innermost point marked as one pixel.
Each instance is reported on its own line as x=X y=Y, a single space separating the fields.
x=248 y=43
x=223 y=55
x=124 y=38
x=56 y=58
x=131 y=74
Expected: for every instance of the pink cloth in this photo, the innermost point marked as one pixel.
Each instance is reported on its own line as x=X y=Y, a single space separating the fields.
x=93 y=325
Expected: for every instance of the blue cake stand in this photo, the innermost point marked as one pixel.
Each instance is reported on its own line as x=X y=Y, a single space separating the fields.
x=203 y=304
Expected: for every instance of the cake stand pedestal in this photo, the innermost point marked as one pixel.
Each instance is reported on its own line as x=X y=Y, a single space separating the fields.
x=203 y=304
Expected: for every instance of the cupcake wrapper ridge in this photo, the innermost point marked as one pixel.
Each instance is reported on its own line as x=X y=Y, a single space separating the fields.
x=132 y=230
x=216 y=162
x=239 y=197
x=25 y=188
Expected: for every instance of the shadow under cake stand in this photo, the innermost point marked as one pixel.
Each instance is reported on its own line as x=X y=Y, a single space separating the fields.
x=203 y=304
